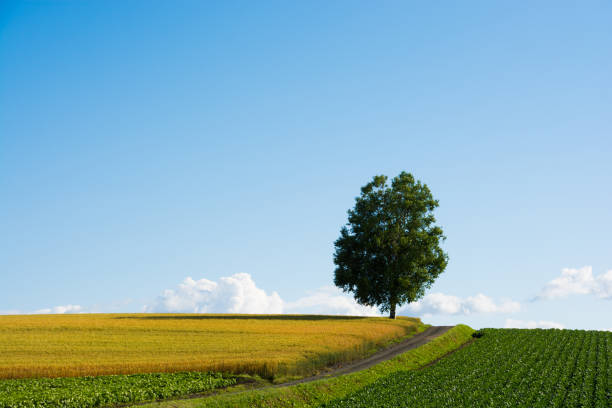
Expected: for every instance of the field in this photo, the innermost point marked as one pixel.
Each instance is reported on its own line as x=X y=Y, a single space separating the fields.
x=269 y=346
x=89 y=392
x=498 y=368
x=504 y=368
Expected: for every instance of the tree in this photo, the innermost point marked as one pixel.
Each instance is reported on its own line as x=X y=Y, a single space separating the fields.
x=389 y=251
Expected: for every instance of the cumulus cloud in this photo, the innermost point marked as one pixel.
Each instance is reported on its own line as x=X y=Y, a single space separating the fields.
x=239 y=294
x=60 y=310
x=440 y=303
x=330 y=300
x=233 y=294
x=532 y=324
x=578 y=282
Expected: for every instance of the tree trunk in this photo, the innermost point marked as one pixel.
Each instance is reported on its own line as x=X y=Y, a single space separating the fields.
x=392 y=311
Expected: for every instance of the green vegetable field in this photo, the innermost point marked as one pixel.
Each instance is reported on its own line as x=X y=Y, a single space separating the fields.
x=83 y=392
x=504 y=368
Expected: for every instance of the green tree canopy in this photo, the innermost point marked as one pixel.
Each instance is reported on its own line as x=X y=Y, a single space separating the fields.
x=389 y=251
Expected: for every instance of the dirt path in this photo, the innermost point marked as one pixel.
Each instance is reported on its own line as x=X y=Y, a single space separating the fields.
x=413 y=342
x=383 y=355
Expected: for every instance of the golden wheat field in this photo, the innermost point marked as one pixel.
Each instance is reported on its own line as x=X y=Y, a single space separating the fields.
x=268 y=345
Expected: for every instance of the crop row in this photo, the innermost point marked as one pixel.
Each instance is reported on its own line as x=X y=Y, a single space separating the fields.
x=86 y=392
x=505 y=368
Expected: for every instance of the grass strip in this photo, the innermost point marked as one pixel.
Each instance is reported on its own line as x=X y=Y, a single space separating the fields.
x=88 y=392
x=322 y=391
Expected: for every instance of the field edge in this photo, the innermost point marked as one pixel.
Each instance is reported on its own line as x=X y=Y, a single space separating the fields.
x=325 y=390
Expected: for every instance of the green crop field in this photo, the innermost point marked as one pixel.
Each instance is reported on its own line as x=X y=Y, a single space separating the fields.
x=504 y=368
x=82 y=392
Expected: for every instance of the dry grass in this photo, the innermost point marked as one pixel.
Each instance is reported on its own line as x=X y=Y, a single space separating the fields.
x=268 y=345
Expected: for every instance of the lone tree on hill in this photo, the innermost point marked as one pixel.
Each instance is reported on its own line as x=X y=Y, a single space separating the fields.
x=389 y=251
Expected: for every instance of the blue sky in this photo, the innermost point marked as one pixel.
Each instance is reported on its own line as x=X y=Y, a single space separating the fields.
x=142 y=143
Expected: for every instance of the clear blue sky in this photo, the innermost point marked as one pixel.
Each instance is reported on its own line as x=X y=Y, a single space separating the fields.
x=143 y=142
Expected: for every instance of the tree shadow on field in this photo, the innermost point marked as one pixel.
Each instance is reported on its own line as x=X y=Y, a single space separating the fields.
x=239 y=317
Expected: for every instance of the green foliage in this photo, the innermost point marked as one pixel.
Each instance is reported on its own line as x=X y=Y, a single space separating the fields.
x=313 y=394
x=478 y=334
x=389 y=252
x=85 y=392
x=504 y=368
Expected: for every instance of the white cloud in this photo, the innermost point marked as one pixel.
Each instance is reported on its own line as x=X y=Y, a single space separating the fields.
x=60 y=310
x=578 y=282
x=532 y=324
x=439 y=303
x=239 y=294
x=233 y=294
x=330 y=300
x=604 y=285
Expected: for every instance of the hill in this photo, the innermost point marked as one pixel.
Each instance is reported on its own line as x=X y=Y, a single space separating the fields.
x=459 y=368
x=108 y=390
